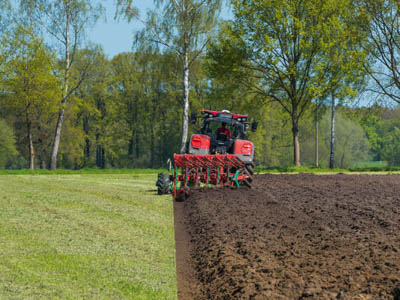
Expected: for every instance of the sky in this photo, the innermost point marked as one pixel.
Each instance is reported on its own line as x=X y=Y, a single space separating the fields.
x=113 y=35
x=117 y=36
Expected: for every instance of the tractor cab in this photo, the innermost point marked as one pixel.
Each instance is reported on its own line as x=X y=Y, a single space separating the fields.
x=223 y=131
x=214 y=140
x=235 y=123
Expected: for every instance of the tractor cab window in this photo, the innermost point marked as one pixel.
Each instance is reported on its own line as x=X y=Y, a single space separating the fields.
x=212 y=128
x=235 y=132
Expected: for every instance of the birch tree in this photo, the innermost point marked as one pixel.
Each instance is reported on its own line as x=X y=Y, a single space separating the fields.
x=65 y=22
x=183 y=27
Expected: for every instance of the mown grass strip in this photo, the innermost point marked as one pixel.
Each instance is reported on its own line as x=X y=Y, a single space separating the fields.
x=82 y=171
x=104 y=236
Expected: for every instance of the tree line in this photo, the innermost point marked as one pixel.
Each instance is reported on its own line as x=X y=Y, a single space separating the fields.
x=298 y=67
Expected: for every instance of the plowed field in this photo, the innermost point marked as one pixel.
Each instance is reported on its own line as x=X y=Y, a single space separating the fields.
x=292 y=237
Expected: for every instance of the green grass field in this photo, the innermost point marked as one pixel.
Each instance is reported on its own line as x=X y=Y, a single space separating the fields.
x=85 y=236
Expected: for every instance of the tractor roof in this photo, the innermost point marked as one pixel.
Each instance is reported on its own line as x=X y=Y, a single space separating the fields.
x=223 y=115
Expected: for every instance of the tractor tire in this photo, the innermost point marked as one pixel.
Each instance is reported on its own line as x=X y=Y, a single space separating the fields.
x=249 y=173
x=247 y=182
x=250 y=168
x=163 y=184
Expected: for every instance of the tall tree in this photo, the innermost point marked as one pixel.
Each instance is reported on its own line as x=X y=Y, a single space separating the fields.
x=129 y=86
x=66 y=21
x=30 y=83
x=281 y=50
x=93 y=104
x=180 y=26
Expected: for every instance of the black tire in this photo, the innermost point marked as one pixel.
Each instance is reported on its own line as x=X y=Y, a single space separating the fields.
x=250 y=168
x=163 y=184
x=250 y=174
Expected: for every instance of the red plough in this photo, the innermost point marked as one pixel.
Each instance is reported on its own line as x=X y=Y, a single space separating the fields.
x=217 y=170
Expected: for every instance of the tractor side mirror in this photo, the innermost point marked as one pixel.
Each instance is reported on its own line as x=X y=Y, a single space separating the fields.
x=254 y=126
x=193 y=118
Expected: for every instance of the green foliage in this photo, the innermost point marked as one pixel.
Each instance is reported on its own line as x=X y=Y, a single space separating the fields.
x=277 y=61
x=291 y=52
x=371 y=123
x=8 y=150
x=30 y=82
x=391 y=146
x=351 y=144
x=30 y=86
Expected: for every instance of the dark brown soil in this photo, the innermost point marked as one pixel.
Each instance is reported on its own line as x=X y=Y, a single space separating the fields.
x=292 y=237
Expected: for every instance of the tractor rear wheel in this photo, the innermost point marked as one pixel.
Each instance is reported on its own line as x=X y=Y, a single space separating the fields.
x=249 y=171
x=163 y=184
x=250 y=168
x=247 y=181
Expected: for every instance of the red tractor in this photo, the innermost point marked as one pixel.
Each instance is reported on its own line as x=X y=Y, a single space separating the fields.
x=219 y=155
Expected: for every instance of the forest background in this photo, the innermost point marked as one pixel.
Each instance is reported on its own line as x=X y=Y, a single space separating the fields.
x=320 y=77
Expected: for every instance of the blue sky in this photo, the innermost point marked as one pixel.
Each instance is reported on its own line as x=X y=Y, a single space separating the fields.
x=117 y=36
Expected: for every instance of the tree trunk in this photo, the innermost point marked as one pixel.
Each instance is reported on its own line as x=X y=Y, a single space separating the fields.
x=103 y=158
x=152 y=133
x=42 y=137
x=296 y=144
x=316 y=140
x=100 y=157
x=137 y=145
x=130 y=146
x=185 y=114
x=61 y=113
x=86 y=150
x=332 y=155
x=57 y=138
x=31 y=148
x=162 y=137
x=152 y=149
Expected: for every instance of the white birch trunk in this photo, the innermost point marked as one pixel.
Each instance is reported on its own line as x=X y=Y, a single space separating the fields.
x=296 y=143
x=31 y=148
x=185 y=114
x=332 y=155
x=61 y=113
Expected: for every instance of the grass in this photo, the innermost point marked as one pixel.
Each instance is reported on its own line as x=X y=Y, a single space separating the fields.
x=85 y=236
x=81 y=171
